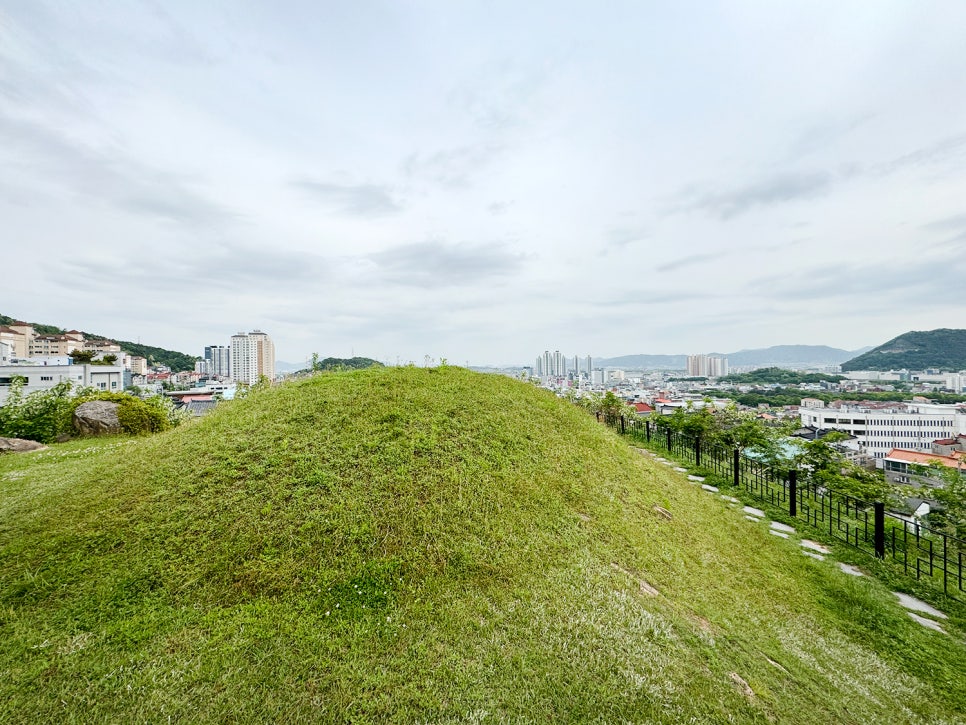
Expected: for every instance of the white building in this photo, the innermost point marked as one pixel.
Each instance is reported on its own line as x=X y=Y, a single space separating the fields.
x=707 y=366
x=44 y=377
x=911 y=426
x=252 y=357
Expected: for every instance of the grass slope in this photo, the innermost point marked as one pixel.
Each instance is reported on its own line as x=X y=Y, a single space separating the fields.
x=425 y=545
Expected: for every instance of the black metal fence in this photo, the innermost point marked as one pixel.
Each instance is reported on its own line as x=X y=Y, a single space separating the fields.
x=923 y=552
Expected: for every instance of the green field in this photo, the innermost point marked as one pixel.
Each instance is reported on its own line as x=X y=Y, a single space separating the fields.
x=426 y=545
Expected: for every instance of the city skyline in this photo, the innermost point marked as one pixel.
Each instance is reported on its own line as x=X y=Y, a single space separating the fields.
x=460 y=180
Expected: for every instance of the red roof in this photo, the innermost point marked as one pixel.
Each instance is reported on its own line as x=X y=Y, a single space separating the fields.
x=643 y=408
x=901 y=454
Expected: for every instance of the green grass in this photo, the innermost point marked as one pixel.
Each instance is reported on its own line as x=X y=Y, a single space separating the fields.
x=428 y=546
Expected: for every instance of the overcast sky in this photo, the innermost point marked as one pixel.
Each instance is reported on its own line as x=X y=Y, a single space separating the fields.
x=481 y=181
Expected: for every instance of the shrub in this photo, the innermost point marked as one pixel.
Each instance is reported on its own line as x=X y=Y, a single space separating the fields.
x=39 y=416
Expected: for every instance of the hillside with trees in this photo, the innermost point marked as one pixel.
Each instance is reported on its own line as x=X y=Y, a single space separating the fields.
x=917 y=350
x=177 y=361
x=765 y=376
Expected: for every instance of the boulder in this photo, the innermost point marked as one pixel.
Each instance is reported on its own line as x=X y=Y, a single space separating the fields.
x=19 y=445
x=97 y=417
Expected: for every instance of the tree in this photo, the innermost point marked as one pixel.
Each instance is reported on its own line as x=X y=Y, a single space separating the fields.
x=81 y=357
x=825 y=466
x=950 y=515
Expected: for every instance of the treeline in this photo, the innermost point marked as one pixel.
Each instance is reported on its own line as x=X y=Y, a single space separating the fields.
x=778 y=397
x=766 y=376
x=177 y=361
x=333 y=364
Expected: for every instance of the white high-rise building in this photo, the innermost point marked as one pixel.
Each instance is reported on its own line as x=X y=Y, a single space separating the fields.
x=706 y=366
x=252 y=357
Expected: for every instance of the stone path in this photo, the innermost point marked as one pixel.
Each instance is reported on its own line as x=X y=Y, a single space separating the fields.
x=919 y=611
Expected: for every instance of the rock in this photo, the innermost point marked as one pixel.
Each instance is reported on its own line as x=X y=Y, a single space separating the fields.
x=19 y=445
x=97 y=417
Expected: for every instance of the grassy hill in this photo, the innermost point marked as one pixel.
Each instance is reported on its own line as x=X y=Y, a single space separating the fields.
x=916 y=350
x=426 y=545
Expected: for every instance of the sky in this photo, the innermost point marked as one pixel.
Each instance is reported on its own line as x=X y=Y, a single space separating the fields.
x=481 y=181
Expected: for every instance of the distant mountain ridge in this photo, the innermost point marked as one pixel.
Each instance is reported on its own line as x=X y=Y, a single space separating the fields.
x=777 y=355
x=943 y=349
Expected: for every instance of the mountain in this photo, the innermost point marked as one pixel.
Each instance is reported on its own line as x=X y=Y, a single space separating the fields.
x=943 y=349
x=428 y=545
x=777 y=356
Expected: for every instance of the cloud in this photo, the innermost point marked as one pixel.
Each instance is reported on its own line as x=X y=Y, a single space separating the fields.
x=451 y=168
x=777 y=189
x=106 y=175
x=891 y=285
x=201 y=274
x=499 y=207
x=622 y=236
x=956 y=225
x=365 y=200
x=690 y=261
x=435 y=264
x=940 y=152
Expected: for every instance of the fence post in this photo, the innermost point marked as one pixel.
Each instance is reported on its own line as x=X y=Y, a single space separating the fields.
x=879 y=535
x=623 y=430
x=697 y=451
x=736 y=468
x=793 y=493
x=647 y=430
x=669 y=439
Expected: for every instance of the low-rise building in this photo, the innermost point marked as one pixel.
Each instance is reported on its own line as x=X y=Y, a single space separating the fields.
x=880 y=428
x=45 y=377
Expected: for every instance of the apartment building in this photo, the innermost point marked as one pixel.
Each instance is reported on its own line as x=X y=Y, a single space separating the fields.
x=707 y=366
x=252 y=357
x=881 y=428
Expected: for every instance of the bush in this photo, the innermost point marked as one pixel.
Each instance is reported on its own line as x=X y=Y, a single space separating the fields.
x=136 y=416
x=39 y=416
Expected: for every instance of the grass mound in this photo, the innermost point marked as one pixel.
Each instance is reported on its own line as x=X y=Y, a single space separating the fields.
x=425 y=545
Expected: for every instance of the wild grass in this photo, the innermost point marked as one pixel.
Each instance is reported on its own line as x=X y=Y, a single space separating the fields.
x=425 y=546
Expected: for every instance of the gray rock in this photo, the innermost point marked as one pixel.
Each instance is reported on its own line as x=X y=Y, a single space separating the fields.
x=97 y=417
x=19 y=445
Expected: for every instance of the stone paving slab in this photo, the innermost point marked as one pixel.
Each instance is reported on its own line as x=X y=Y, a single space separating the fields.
x=754 y=512
x=927 y=622
x=918 y=606
x=752 y=518
x=850 y=570
x=680 y=470
x=731 y=499
x=778 y=533
x=815 y=546
x=778 y=526
x=699 y=479
x=712 y=489
x=814 y=555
